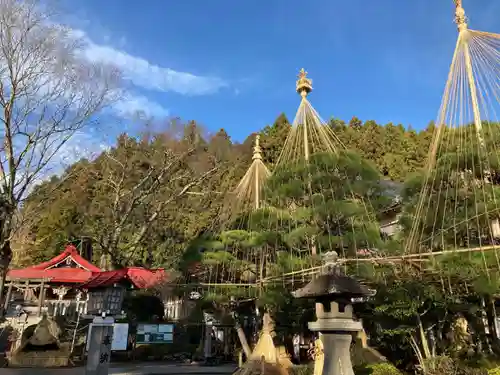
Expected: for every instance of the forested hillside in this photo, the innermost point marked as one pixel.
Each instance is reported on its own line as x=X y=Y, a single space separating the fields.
x=145 y=199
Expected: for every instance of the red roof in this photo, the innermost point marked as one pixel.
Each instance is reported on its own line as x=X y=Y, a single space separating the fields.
x=140 y=278
x=72 y=253
x=86 y=273
x=56 y=275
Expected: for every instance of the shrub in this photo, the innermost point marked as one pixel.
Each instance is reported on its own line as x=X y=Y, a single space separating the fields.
x=302 y=370
x=383 y=368
x=443 y=365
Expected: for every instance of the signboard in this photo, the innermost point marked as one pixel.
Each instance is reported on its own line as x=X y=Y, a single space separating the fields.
x=120 y=335
x=155 y=333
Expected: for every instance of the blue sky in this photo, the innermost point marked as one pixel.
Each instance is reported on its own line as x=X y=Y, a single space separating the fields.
x=233 y=64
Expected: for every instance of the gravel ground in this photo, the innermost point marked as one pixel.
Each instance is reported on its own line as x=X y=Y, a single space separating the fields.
x=136 y=369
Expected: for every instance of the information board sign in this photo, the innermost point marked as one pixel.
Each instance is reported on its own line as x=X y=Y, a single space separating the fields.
x=155 y=333
x=120 y=336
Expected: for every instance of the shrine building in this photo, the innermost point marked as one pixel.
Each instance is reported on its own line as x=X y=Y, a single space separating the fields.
x=59 y=287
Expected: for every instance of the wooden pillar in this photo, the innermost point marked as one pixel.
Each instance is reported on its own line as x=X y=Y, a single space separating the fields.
x=26 y=286
x=41 y=297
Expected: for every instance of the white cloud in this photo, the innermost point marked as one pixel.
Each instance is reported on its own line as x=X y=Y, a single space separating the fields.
x=127 y=103
x=80 y=145
x=147 y=75
x=131 y=105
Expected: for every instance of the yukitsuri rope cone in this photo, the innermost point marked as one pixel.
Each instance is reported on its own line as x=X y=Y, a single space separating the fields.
x=280 y=223
x=320 y=197
x=266 y=358
x=456 y=215
x=229 y=255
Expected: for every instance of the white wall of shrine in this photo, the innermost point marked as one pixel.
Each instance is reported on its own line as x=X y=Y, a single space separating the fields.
x=173 y=308
x=177 y=308
x=35 y=300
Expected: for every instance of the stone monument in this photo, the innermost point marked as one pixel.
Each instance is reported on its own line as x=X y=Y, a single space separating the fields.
x=333 y=293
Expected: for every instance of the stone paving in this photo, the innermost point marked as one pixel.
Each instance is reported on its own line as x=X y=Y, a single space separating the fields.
x=136 y=369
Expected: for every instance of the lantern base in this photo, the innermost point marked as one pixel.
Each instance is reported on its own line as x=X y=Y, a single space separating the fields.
x=337 y=329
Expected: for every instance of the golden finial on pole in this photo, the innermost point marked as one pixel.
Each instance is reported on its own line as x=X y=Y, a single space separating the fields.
x=304 y=84
x=257 y=157
x=463 y=42
x=460 y=18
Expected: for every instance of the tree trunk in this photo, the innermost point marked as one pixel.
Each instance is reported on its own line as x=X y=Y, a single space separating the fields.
x=483 y=323
x=243 y=340
x=5 y=258
x=477 y=326
x=431 y=336
x=440 y=337
x=492 y=318
x=3 y=275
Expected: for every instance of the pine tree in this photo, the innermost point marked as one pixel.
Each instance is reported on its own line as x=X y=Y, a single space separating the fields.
x=273 y=138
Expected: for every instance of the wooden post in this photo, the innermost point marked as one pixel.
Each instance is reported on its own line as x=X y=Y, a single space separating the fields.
x=41 y=297
x=27 y=283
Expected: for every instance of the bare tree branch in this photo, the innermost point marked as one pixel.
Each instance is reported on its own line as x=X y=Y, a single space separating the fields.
x=142 y=232
x=47 y=94
x=138 y=181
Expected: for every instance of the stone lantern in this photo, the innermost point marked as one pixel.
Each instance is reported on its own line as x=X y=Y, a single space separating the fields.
x=106 y=301
x=104 y=305
x=333 y=293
